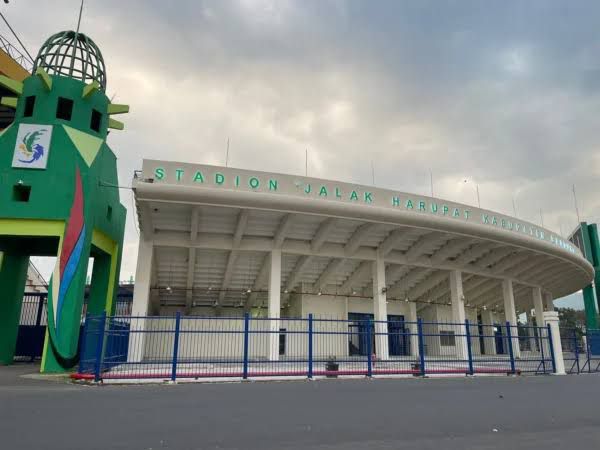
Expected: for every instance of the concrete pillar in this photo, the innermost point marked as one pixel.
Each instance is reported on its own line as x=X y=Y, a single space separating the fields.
x=530 y=331
x=380 y=309
x=13 y=274
x=489 y=341
x=274 y=303
x=458 y=312
x=551 y=318
x=548 y=301
x=414 y=338
x=141 y=300
x=511 y=314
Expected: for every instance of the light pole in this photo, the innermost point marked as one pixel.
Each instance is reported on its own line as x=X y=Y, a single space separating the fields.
x=476 y=190
x=431 y=181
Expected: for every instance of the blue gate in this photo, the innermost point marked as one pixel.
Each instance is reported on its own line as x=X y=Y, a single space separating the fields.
x=33 y=321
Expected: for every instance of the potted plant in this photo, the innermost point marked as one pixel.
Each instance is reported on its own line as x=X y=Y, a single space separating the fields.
x=331 y=367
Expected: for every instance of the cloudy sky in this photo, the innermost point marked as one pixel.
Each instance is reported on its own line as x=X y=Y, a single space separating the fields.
x=504 y=94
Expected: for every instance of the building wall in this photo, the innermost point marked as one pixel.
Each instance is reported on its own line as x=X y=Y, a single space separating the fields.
x=330 y=329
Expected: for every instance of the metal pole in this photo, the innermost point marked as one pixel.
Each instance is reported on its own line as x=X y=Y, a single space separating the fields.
x=373 y=172
x=478 y=201
x=227 y=154
x=82 y=349
x=306 y=162
x=541 y=217
x=576 y=207
x=431 y=181
x=17 y=38
x=469 y=349
x=175 y=347
x=79 y=19
x=576 y=350
x=514 y=207
x=510 y=348
x=551 y=345
x=369 y=350
x=99 y=347
x=310 y=345
x=542 y=345
x=246 y=342
x=421 y=346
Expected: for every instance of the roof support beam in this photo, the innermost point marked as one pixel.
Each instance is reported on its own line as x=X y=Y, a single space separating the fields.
x=404 y=284
x=331 y=250
x=240 y=228
x=189 y=293
x=510 y=261
x=295 y=275
x=360 y=273
x=476 y=251
x=282 y=229
x=494 y=257
x=427 y=284
x=358 y=237
x=260 y=279
x=452 y=248
x=322 y=234
x=392 y=240
x=329 y=271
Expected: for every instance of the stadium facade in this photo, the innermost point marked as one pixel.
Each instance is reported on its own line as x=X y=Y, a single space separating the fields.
x=219 y=241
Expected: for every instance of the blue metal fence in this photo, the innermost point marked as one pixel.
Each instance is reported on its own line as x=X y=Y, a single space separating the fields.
x=581 y=350
x=179 y=347
x=34 y=318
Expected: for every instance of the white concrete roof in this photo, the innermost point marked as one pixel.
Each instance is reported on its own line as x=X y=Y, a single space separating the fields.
x=213 y=227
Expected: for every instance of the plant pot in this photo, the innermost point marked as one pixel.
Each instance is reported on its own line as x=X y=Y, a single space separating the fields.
x=331 y=366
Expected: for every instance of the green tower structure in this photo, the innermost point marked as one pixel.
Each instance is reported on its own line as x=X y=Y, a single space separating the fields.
x=58 y=194
x=585 y=237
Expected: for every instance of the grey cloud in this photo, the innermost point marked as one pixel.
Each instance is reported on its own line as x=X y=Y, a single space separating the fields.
x=502 y=93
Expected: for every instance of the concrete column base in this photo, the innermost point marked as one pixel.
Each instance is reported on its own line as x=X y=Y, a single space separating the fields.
x=551 y=318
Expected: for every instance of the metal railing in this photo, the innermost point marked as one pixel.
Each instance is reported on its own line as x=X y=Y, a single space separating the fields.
x=581 y=350
x=21 y=59
x=178 y=347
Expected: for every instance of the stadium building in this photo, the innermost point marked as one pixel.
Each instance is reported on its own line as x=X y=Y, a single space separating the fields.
x=218 y=241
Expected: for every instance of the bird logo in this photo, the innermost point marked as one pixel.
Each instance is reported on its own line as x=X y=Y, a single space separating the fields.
x=31 y=148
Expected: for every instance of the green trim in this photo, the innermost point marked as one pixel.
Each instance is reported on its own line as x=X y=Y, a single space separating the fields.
x=110 y=247
x=89 y=89
x=114 y=108
x=115 y=124
x=12 y=85
x=46 y=80
x=10 y=102
x=31 y=227
x=87 y=145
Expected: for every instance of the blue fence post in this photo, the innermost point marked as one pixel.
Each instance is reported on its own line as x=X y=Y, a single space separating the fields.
x=82 y=348
x=576 y=350
x=541 y=341
x=421 y=346
x=310 y=345
x=99 y=347
x=551 y=346
x=588 y=351
x=369 y=350
x=510 y=348
x=246 y=342
x=175 y=346
x=469 y=349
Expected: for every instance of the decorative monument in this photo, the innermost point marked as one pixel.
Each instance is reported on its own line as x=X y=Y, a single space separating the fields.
x=58 y=193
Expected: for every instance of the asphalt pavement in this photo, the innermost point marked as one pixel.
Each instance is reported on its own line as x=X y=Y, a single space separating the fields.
x=544 y=412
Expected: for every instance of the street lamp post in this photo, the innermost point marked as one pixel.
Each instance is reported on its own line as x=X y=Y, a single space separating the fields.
x=476 y=190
